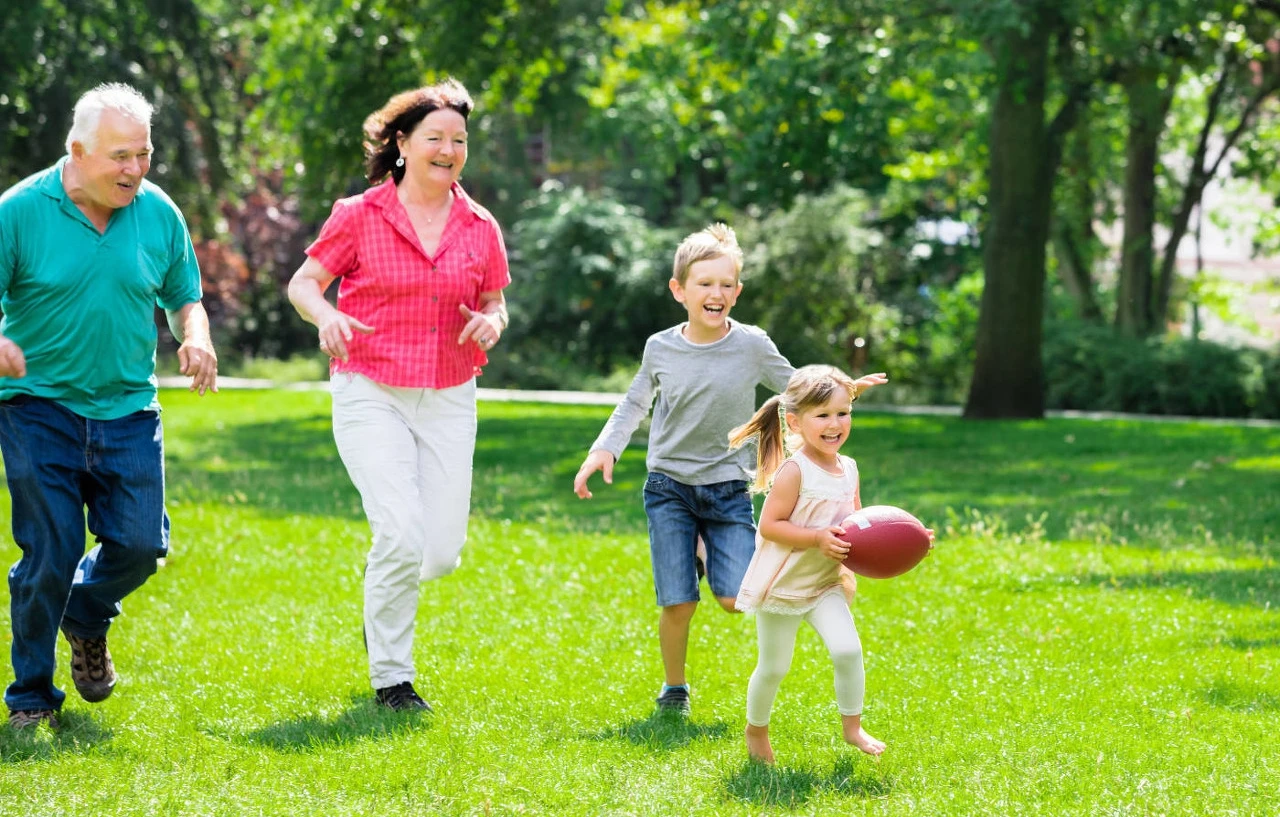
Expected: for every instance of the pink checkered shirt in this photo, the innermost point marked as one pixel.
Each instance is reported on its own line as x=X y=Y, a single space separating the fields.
x=409 y=298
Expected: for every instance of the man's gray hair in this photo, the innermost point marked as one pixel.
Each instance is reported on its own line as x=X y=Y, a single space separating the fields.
x=117 y=96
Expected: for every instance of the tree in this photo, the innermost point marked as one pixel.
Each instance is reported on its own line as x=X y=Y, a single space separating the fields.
x=324 y=66
x=51 y=52
x=1008 y=378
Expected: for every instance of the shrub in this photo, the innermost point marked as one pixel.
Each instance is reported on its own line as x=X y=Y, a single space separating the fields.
x=1091 y=367
x=590 y=285
x=1267 y=394
x=832 y=283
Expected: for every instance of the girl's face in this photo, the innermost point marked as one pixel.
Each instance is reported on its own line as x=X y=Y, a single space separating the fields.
x=825 y=427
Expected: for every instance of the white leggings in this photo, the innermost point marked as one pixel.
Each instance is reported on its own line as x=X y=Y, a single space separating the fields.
x=776 y=639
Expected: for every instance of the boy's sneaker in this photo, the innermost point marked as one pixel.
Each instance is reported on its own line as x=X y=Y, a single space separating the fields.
x=31 y=718
x=674 y=699
x=402 y=698
x=92 y=671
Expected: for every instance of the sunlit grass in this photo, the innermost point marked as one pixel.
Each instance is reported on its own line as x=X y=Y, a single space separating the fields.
x=1096 y=633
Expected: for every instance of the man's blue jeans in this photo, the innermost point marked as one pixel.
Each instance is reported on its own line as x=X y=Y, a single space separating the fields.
x=59 y=464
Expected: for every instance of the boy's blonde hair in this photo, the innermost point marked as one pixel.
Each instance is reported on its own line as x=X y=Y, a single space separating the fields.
x=808 y=387
x=713 y=242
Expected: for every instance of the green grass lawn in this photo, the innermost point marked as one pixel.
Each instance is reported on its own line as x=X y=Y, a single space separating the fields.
x=1096 y=633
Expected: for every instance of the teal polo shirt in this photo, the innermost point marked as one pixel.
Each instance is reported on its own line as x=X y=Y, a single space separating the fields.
x=81 y=304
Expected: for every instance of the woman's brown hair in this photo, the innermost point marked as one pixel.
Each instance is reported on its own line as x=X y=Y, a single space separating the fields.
x=401 y=114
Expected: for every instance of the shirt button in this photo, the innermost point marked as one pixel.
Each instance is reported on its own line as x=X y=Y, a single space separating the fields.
x=433 y=329
x=434 y=299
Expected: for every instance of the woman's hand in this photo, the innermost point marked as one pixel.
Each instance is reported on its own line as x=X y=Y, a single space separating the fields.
x=483 y=328
x=336 y=329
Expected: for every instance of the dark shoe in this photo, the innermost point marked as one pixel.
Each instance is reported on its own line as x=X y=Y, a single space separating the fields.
x=675 y=700
x=699 y=566
x=402 y=698
x=91 y=669
x=31 y=718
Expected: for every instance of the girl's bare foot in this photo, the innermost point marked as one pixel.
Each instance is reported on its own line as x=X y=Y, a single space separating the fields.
x=854 y=734
x=758 y=746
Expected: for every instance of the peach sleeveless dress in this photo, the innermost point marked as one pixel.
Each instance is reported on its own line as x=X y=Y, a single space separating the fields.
x=785 y=580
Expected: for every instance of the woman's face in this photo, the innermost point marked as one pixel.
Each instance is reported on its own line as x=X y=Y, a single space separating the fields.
x=435 y=151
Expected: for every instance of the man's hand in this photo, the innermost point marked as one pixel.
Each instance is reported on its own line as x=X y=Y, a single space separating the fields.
x=12 y=362
x=197 y=360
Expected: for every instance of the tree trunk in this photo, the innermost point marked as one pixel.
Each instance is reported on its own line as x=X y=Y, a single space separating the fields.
x=1076 y=269
x=1075 y=244
x=1008 y=373
x=1148 y=105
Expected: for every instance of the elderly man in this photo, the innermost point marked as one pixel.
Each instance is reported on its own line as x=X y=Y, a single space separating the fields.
x=88 y=248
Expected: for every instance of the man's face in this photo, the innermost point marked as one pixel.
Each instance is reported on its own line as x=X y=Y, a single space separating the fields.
x=120 y=157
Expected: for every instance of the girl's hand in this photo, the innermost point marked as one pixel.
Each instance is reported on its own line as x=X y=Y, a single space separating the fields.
x=335 y=331
x=930 y=532
x=868 y=380
x=829 y=542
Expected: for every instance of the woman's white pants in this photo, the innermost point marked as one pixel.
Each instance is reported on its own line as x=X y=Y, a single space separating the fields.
x=409 y=454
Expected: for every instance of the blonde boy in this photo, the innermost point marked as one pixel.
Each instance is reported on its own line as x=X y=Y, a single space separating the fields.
x=703 y=374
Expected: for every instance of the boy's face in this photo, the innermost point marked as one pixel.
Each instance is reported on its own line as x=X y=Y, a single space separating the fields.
x=709 y=292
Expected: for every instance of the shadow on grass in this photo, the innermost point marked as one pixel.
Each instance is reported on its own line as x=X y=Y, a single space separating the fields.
x=1242 y=698
x=664 y=731
x=78 y=732
x=1256 y=587
x=1248 y=644
x=523 y=470
x=275 y=452
x=363 y=720
x=777 y=786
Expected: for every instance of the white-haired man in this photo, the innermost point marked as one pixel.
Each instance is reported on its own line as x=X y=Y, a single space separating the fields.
x=88 y=248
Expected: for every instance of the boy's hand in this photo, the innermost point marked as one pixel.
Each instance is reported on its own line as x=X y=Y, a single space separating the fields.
x=830 y=543
x=598 y=460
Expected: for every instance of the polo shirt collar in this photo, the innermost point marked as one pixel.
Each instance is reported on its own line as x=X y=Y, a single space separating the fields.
x=51 y=184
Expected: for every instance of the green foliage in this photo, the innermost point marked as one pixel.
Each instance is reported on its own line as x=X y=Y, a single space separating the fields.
x=325 y=66
x=1094 y=368
x=1267 y=402
x=591 y=285
x=738 y=103
x=51 y=52
x=832 y=284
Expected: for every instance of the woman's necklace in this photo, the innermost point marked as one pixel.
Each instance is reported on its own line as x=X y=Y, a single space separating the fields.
x=444 y=208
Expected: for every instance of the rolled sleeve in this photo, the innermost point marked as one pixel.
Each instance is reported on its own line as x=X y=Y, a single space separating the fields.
x=335 y=248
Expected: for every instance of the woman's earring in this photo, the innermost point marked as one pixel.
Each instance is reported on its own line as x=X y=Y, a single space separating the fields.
x=400 y=162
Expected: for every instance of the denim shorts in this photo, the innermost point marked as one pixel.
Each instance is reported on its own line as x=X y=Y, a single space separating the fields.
x=721 y=513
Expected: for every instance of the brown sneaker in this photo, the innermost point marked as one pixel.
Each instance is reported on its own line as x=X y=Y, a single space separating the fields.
x=32 y=718
x=91 y=669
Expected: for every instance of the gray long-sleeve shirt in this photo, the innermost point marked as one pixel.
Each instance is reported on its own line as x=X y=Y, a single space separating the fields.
x=703 y=392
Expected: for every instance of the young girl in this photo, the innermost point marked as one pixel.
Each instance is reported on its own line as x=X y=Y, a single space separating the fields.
x=796 y=573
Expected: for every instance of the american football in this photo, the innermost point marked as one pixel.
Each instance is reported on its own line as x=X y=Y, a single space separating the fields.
x=884 y=541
